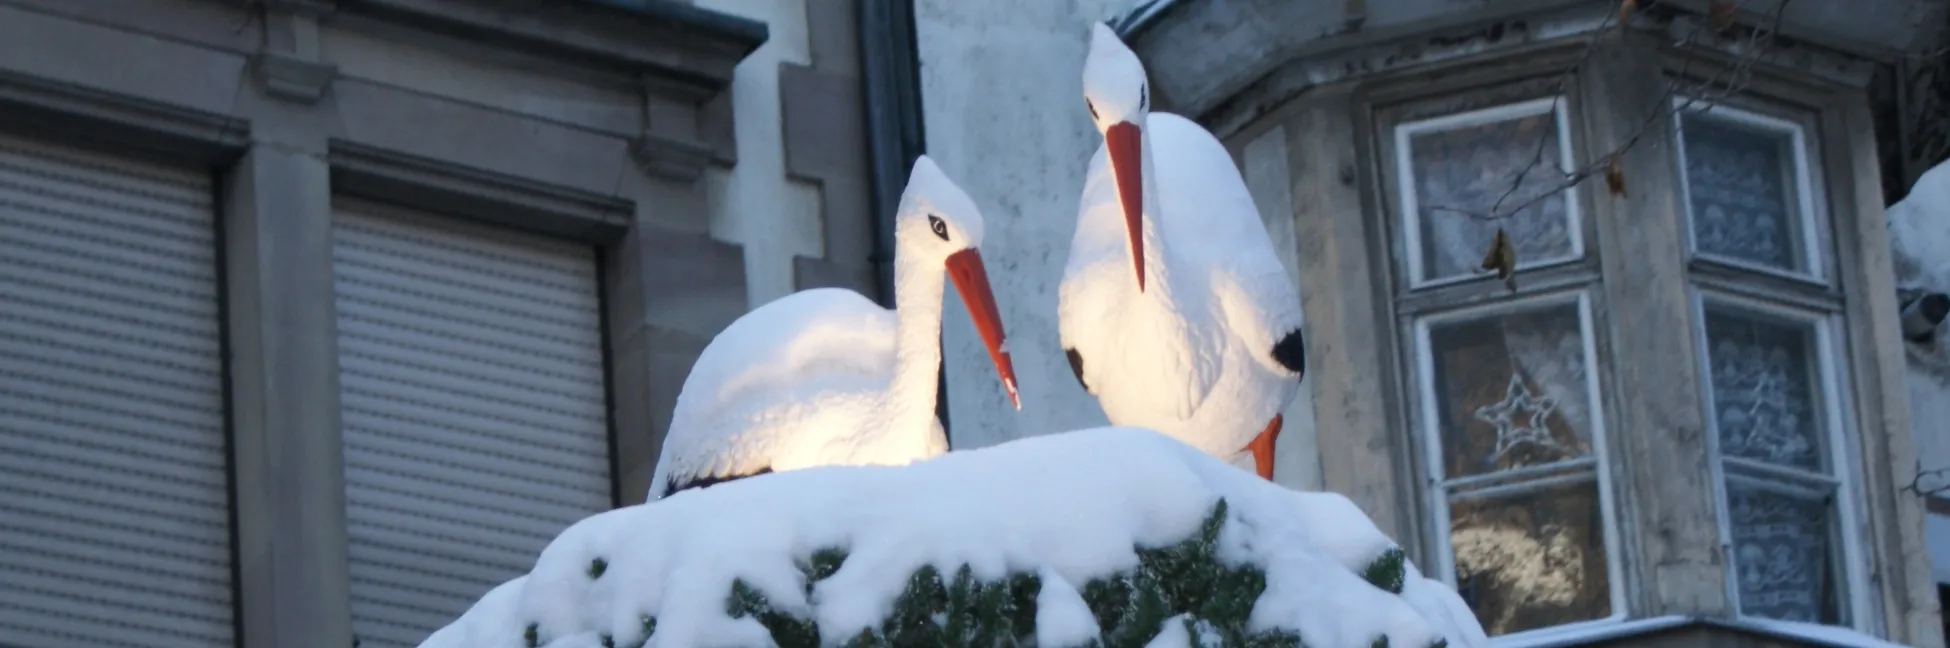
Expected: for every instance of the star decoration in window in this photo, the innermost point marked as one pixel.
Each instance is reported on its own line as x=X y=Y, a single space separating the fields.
x=1519 y=419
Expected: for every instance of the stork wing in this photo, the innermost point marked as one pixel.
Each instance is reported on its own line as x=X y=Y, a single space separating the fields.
x=788 y=348
x=1213 y=224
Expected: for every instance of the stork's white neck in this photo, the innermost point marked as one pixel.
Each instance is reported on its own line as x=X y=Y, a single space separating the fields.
x=911 y=393
x=1158 y=288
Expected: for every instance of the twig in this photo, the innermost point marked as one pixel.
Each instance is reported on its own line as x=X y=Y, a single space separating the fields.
x=1915 y=486
x=1737 y=74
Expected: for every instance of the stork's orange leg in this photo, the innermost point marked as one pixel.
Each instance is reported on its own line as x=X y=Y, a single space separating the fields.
x=1262 y=448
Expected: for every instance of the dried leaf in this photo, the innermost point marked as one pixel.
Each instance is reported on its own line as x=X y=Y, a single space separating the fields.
x=1625 y=10
x=1720 y=14
x=1502 y=258
x=1615 y=177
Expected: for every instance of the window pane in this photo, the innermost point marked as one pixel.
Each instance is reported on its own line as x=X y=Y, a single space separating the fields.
x=1470 y=167
x=1534 y=559
x=1510 y=390
x=1781 y=552
x=1742 y=184
x=1764 y=389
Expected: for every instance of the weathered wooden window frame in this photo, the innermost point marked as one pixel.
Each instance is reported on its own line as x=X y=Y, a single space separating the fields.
x=1812 y=297
x=1490 y=94
x=1442 y=489
x=1845 y=527
x=1409 y=210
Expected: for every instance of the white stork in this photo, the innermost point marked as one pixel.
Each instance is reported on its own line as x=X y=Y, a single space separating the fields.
x=1174 y=311
x=826 y=376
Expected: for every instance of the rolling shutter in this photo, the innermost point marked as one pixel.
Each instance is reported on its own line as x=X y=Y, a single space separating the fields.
x=114 y=495
x=474 y=406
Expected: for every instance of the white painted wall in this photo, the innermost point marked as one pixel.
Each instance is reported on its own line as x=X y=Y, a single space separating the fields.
x=1001 y=84
x=1002 y=92
x=754 y=204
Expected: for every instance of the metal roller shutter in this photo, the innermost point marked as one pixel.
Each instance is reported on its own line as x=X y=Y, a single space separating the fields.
x=475 y=412
x=114 y=495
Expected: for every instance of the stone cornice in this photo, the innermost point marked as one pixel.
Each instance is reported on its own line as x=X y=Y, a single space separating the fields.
x=685 y=46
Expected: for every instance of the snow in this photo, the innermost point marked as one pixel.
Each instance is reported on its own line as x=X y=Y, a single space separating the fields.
x=1836 y=636
x=1062 y=618
x=1171 y=634
x=1917 y=231
x=1069 y=507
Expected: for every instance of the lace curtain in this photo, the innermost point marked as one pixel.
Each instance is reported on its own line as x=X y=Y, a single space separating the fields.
x=1766 y=409
x=1470 y=168
x=1740 y=187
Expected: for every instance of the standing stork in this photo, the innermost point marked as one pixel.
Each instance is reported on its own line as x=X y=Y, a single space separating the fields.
x=1174 y=311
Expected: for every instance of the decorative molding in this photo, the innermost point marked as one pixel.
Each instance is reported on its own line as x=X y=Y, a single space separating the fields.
x=443 y=187
x=119 y=122
x=686 y=46
x=303 y=8
x=291 y=78
x=671 y=158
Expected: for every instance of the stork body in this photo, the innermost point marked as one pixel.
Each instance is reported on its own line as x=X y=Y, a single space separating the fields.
x=1174 y=310
x=826 y=376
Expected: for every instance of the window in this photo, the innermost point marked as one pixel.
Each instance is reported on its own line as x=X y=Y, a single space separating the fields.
x=1505 y=380
x=1769 y=360
x=1746 y=194
x=1463 y=163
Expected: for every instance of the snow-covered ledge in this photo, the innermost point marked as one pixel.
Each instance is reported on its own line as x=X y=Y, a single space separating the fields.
x=1108 y=537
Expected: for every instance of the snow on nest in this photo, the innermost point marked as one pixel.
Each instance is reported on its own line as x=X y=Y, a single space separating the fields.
x=1069 y=507
x=1919 y=231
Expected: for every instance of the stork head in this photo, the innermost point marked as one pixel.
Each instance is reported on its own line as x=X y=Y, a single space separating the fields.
x=939 y=223
x=1118 y=96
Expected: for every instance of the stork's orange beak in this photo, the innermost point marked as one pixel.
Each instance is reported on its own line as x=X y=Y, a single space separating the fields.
x=972 y=281
x=1125 y=142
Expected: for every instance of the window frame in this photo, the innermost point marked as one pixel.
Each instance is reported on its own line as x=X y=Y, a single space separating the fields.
x=1812 y=298
x=1810 y=195
x=1470 y=98
x=1408 y=211
x=1427 y=424
x=1845 y=528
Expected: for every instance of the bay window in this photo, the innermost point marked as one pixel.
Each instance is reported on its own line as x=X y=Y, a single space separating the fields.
x=1509 y=386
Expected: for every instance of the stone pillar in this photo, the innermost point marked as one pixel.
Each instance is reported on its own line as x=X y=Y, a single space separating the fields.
x=283 y=348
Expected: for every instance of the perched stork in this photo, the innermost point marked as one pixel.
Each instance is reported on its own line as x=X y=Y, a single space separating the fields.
x=1174 y=311
x=827 y=377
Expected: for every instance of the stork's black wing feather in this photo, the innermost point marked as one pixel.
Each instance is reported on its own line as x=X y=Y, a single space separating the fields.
x=1291 y=352
x=674 y=486
x=1076 y=367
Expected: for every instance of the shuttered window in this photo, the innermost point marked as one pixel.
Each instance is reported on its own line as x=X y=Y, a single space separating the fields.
x=474 y=406
x=114 y=518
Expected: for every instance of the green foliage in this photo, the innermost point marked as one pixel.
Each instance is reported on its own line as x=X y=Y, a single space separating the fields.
x=1387 y=572
x=1130 y=608
x=787 y=630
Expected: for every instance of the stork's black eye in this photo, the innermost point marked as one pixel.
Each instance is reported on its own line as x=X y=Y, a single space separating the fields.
x=940 y=228
x=1144 y=96
x=1092 y=107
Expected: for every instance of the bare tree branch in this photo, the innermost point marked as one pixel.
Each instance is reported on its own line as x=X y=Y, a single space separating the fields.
x=1939 y=475
x=1727 y=81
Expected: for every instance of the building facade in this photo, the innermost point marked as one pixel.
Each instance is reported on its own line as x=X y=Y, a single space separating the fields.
x=321 y=318
x=1691 y=419
x=318 y=318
